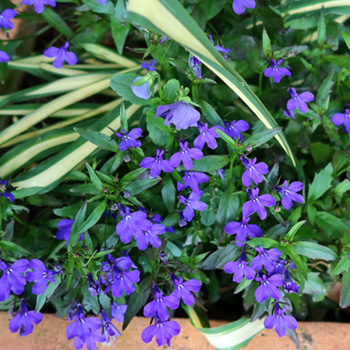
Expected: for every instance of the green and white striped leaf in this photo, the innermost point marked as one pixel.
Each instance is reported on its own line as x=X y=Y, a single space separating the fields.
x=170 y=18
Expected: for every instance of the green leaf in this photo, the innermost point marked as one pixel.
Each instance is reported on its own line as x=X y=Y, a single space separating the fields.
x=314 y=251
x=343 y=265
x=265 y=242
x=209 y=163
x=131 y=176
x=107 y=8
x=330 y=223
x=346 y=38
x=13 y=248
x=210 y=113
x=173 y=249
x=101 y=140
x=41 y=299
x=158 y=132
x=291 y=233
x=139 y=186
x=138 y=300
x=228 y=206
x=262 y=137
x=321 y=28
x=212 y=8
x=341 y=61
x=266 y=44
x=170 y=90
x=321 y=183
x=121 y=84
x=340 y=189
x=55 y=20
x=94 y=178
x=229 y=140
x=299 y=263
x=325 y=89
x=169 y=193
x=119 y=32
x=220 y=257
x=315 y=287
x=345 y=291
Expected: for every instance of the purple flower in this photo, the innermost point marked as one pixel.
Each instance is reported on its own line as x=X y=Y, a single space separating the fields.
x=142 y=89
x=299 y=101
x=149 y=66
x=349 y=255
x=192 y=202
x=5 y=18
x=64 y=230
x=279 y=267
x=342 y=118
x=109 y=329
x=61 y=54
x=235 y=128
x=84 y=330
x=39 y=4
x=240 y=269
x=276 y=72
x=280 y=321
x=269 y=287
x=254 y=171
x=266 y=258
x=102 y=2
x=289 y=114
x=239 y=6
x=181 y=114
x=132 y=223
x=24 y=320
x=12 y=278
x=5 y=192
x=118 y=311
x=289 y=193
x=158 y=307
x=4 y=57
x=129 y=139
x=242 y=229
x=40 y=275
x=149 y=236
x=221 y=173
x=157 y=219
x=157 y=164
x=220 y=48
x=185 y=155
x=183 y=221
x=192 y=180
x=183 y=289
x=163 y=331
x=196 y=66
x=289 y=285
x=206 y=136
x=258 y=203
x=94 y=286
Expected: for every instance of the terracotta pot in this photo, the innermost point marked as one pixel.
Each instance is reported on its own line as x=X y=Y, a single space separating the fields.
x=51 y=335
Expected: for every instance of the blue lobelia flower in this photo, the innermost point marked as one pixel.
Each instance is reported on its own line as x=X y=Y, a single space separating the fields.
x=221 y=173
x=269 y=287
x=163 y=331
x=24 y=320
x=94 y=286
x=64 y=230
x=265 y=258
x=235 y=128
x=242 y=229
x=289 y=114
x=191 y=203
x=40 y=275
x=84 y=330
x=109 y=329
x=159 y=306
x=61 y=54
x=183 y=289
x=129 y=139
x=220 y=48
x=4 y=57
x=258 y=203
x=289 y=193
x=289 y=285
x=157 y=164
x=280 y=321
x=149 y=66
x=192 y=180
x=12 y=278
x=180 y=114
x=276 y=72
x=342 y=118
x=5 y=192
x=142 y=86
x=196 y=65
x=239 y=6
x=254 y=171
x=39 y=4
x=5 y=19
x=143 y=238
x=240 y=269
x=206 y=136
x=299 y=100
x=102 y=2
x=185 y=155
x=132 y=223
x=279 y=267
x=118 y=311
x=157 y=219
x=349 y=255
